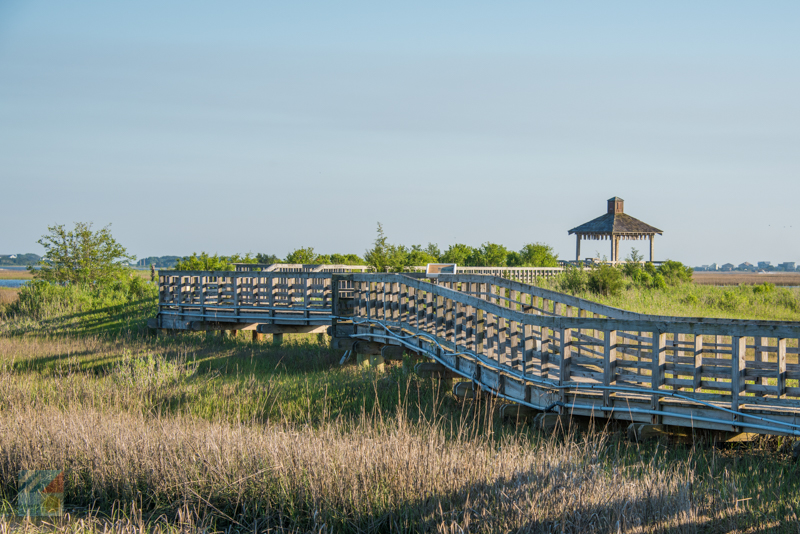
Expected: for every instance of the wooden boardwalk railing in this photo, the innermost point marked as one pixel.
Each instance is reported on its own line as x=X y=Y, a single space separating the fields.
x=541 y=352
x=188 y=299
x=536 y=347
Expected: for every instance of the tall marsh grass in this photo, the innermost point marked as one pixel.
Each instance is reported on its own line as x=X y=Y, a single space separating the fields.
x=188 y=433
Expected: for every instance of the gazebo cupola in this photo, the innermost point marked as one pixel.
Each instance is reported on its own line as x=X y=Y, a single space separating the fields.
x=614 y=225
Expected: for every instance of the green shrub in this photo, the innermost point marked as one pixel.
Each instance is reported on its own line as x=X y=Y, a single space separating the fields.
x=573 y=280
x=39 y=299
x=763 y=288
x=690 y=299
x=605 y=280
x=730 y=300
x=659 y=282
x=674 y=272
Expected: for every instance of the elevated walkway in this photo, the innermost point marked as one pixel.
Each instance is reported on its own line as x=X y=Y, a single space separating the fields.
x=537 y=348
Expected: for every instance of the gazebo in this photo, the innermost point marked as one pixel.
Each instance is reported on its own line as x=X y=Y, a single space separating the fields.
x=614 y=225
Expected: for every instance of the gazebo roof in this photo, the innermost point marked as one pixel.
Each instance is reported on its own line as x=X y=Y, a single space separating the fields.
x=615 y=222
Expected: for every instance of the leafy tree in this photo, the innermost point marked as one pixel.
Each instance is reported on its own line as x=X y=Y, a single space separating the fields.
x=419 y=256
x=632 y=268
x=267 y=258
x=514 y=259
x=458 y=254
x=346 y=259
x=433 y=250
x=489 y=255
x=674 y=272
x=302 y=255
x=81 y=256
x=380 y=255
x=538 y=255
x=206 y=262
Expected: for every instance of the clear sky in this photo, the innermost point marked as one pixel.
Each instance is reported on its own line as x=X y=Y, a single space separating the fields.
x=265 y=126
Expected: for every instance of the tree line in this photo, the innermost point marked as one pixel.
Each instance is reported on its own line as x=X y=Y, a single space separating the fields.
x=383 y=256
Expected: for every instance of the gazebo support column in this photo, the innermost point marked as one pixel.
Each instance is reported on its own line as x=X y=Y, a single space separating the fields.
x=651 y=248
x=578 y=248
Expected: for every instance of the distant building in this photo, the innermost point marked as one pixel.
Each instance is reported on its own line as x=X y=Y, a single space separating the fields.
x=727 y=267
x=787 y=266
x=766 y=265
x=746 y=266
x=713 y=267
x=12 y=257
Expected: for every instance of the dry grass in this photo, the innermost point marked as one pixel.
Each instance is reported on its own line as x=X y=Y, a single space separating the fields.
x=14 y=274
x=736 y=278
x=368 y=475
x=8 y=295
x=214 y=435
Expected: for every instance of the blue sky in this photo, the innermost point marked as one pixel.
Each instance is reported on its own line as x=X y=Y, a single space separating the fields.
x=262 y=126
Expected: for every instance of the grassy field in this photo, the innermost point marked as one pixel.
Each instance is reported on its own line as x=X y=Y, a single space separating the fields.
x=693 y=300
x=14 y=274
x=195 y=432
x=736 y=278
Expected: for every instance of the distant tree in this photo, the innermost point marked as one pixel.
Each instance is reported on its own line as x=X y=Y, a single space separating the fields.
x=489 y=255
x=302 y=255
x=206 y=262
x=538 y=255
x=514 y=259
x=379 y=256
x=458 y=254
x=346 y=259
x=433 y=250
x=419 y=256
x=81 y=256
x=384 y=256
x=267 y=258
x=674 y=272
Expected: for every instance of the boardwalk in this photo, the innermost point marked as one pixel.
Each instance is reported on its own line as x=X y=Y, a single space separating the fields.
x=540 y=349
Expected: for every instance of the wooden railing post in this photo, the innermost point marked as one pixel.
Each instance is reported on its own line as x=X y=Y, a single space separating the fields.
x=528 y=345
x=659 y=363
x=739 y=348
x=781 y=356
x=609 y=363
x=564 y=371
x=698 y=363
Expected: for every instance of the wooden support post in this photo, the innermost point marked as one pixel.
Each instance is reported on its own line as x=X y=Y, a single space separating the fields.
x=762 y=356
x=651 y=247
x=277 y=339
x=578 y=248
x=781 y=382
x=659 y=364
x=392 y=352
x=739 y=348
x=256 y=336
x=527 y=348
x=517 y=412
x=566 y=360
x=548 y=422
x=435 y=370
x=609 y=364
x=698 y=362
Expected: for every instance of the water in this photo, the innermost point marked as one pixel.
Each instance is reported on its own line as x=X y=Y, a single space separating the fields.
x=12 y=283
